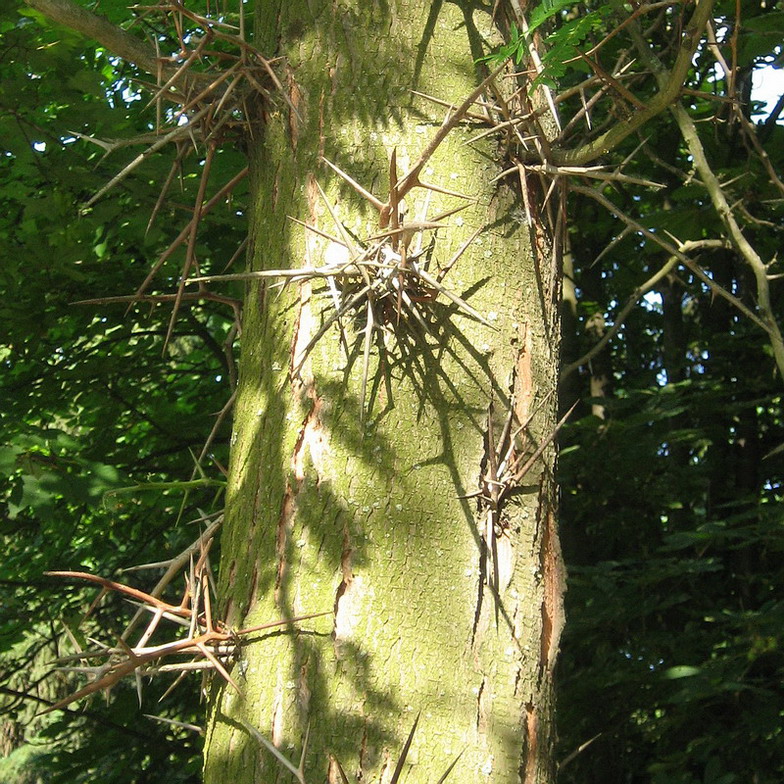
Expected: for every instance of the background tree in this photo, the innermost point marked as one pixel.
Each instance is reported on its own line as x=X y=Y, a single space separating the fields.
x=670 y=500
x=89 y=404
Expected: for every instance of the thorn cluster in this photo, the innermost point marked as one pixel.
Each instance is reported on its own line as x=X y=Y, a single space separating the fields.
x=212 y=78
x=381 y=281
x=207 y=644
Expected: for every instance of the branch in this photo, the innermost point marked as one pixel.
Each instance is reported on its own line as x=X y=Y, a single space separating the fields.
x=641 y=290
x=718 y=198
x=736 y=236
x=114 y=38
x=674 y=251
x=670 y=84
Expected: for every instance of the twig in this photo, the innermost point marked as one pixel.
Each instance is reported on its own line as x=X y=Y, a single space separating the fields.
x=672 y=250
x=180 y=130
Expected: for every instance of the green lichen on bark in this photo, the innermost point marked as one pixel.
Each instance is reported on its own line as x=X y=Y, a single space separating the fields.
x=332 y=509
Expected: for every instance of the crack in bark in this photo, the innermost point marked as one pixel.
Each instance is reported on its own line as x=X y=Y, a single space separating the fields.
x=231 y=573
x=284 y=520
x=254 y=582
x=309 y=439
x=346 y=581
x=303 y=693
x=277 y=716
x=481 y=721
x=523 y=383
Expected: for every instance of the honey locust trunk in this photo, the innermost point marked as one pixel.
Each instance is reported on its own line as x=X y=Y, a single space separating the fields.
x=352 y=457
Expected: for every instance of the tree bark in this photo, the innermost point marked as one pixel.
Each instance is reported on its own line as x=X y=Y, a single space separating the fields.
x=355 y=506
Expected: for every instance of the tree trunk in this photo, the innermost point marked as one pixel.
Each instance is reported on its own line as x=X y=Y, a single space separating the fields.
x=351 y=502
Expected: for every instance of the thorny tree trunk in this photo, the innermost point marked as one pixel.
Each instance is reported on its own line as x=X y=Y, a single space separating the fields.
x=328 y=510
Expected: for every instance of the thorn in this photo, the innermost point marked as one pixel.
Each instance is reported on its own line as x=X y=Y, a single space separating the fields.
x=377 y=203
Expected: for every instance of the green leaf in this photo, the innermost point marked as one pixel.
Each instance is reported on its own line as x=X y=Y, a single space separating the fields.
x=545 y=11
x=682 y=671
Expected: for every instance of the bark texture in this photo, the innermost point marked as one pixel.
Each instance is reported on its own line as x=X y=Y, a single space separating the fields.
x=332 y=510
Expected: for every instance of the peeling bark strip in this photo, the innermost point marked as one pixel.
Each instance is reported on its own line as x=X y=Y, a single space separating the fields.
x=366 y=517
x=284 y=523
x=554 y=580
x=530 y=773
x=309 y=441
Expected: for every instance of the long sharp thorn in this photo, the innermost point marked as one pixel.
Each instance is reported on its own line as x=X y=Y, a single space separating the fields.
x=273 y=624
x=498 y=127
x=151 y=626
x=505 y=173
x=179 y=131
x=225 y=190
x=278 y=86
x=366 y=357
x=179 y=620
x=113 y=586
x=301 y=767
x=442 y=215
x=177 y=681
x=377 y=203
x=524 y=189
x=176 y=75
x=138 y=676
x=289 y=274
x=207 y=602
x=165 y=189
x=107 y=681
x=273 y=750
x=321 y=233
x=408 y=228
x=328 y=323
x=347 y=241
x=190 y=253
x=174 y=723
x=343 y=777
x=210 y=88
x=404 y=753
x=408 y=180
x=493 y=554
x=394 y=199
x=433 y=283
x=333 y=291
x=527 y=422
x=535 y=456
x=460 y=251
x=219 y=667
x=237 y=79
x=451 y=106
x=449 y=769
x=445 y=191
x=407 y=301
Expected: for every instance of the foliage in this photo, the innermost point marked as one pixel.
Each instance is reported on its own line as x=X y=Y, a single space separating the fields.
x=561 y=46
x=89 y=405
x=671 y=495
